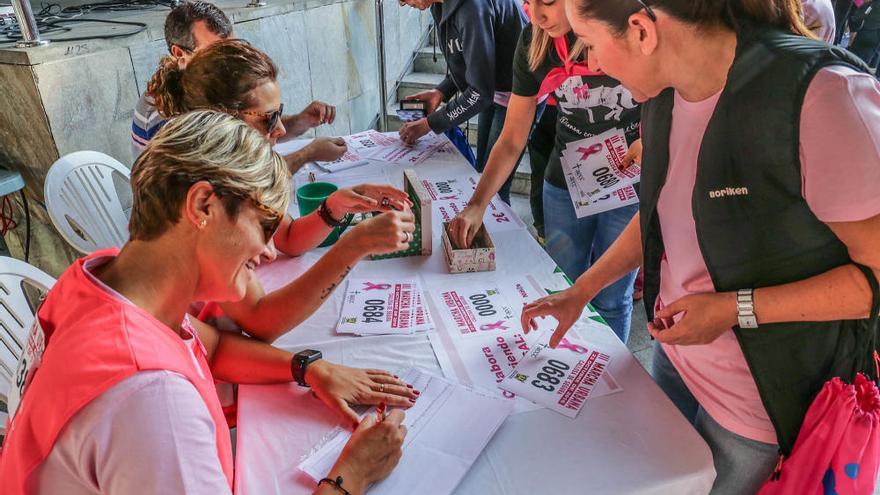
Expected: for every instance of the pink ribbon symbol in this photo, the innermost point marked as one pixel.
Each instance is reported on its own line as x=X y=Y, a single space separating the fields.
x=592 y=150
x=565 y=344
x=498 y=325
x=581 y=91
x=371 y=286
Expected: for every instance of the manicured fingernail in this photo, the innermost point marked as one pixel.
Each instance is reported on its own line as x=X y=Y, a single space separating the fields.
x=408 y=385
x=395 y=376
x=413 y=401
x=416 y=392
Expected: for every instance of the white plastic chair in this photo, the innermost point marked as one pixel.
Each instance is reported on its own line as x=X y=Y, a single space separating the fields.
x=83 y=199
x=16 y=316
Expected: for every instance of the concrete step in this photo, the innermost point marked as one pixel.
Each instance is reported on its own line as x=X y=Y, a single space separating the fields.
x=416 y=82
x=424 y=61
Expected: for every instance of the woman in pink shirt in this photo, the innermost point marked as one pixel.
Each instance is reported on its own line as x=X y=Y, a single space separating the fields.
x=759 y=218
x=117 y=381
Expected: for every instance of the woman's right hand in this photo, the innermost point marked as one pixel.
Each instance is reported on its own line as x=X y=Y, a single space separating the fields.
x=372 y=452
x=565 y=306
x=465 y=225
x=385 y=233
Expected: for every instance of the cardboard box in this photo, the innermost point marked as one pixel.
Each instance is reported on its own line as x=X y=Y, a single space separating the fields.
x=478 y=258
x=421 y=199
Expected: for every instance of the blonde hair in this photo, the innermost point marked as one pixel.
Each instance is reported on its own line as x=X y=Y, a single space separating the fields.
x=542 y=43
x=204 y=146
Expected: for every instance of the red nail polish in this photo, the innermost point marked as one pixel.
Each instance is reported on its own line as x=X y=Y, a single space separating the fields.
x=408 y=385
x=416 y=392
x=413 y=401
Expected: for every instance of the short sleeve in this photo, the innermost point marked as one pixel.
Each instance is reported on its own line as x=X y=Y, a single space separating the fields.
x=152 y=422
x=840 y=145
x=524 y=82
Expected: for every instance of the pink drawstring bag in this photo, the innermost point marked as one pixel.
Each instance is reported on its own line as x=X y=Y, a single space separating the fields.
x=838 y=449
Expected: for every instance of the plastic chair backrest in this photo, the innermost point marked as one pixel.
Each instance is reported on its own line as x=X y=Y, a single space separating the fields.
x=83 y=202
x=16 y=313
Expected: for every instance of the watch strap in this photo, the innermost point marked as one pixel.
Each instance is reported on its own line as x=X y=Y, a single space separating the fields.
x=745 y=308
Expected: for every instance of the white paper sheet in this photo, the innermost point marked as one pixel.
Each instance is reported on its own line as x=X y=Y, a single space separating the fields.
x=562 y=379
x=448 y=427
x=383 y=307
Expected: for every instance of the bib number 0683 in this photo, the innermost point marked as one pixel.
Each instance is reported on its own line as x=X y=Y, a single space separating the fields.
x=550 y=376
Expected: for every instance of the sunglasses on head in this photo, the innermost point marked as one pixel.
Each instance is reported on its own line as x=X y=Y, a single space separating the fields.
x=272 y=118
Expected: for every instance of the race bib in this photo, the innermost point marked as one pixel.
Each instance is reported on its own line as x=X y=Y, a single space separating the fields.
x=563 y=378
x=383 y=307
x=592 y=173
x=472 y=310
x=28 y=364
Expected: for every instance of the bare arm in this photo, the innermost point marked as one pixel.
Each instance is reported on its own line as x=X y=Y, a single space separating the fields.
x=268 y=316
x=510 y=144
x=621 y=258
x=841 y=293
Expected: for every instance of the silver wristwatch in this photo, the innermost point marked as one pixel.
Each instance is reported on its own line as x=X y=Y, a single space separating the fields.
x=745 y=309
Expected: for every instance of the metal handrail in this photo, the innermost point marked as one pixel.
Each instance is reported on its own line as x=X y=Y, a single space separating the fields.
x=27 y=23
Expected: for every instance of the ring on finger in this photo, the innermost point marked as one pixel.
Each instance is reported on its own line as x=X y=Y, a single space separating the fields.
x=406 y=237
x=381 y=388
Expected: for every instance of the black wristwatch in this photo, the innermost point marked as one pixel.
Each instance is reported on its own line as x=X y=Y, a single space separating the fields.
x=300 y=363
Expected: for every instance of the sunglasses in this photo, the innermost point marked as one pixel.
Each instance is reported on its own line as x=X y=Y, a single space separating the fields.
x=272 y=118
x=270 y=218
x=648 y=10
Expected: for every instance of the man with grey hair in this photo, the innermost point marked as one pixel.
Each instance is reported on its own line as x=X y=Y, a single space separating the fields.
x=193 y=25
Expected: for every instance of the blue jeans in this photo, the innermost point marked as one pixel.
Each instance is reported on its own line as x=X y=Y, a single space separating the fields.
x=575 y=242
x=742 y=465
x=490 y=123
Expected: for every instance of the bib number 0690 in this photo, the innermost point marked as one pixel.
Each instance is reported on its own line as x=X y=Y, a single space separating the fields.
x=550 y=376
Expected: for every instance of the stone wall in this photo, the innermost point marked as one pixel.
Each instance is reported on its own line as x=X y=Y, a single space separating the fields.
x=81 y=96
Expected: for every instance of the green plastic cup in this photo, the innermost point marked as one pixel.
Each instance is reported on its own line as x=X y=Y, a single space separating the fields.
x=309 y=197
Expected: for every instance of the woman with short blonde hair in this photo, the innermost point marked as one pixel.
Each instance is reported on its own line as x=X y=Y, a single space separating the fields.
x=118 y=394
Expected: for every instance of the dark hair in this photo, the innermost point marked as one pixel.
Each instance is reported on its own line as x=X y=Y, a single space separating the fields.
x=220 y=77
x=782 y=14
x=179 y=23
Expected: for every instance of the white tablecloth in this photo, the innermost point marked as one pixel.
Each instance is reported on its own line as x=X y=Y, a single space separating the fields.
x=635 y=441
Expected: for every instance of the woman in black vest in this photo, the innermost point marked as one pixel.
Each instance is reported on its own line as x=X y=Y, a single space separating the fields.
x=759 y=219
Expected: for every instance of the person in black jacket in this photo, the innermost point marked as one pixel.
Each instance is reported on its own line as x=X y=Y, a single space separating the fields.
x=478 y=39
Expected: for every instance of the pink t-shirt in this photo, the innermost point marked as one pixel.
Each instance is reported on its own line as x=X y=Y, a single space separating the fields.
x=840 y=170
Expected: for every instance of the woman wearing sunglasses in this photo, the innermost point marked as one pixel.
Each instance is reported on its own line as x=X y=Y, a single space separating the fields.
x=234 y=77
x=117 y=382
x=759 y=219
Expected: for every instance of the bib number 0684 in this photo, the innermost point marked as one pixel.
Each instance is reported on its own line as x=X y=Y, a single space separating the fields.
x=374 y=310
x=550 y=376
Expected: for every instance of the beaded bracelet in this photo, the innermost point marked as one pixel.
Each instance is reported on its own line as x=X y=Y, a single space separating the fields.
x=327 y=217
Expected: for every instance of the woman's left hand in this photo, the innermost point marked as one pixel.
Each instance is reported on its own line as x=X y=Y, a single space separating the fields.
x=367 y=197
x=341 y=387
x=704 y=318
x=412 y=131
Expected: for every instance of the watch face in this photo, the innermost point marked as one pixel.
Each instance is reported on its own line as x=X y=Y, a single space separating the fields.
x=308 y=355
